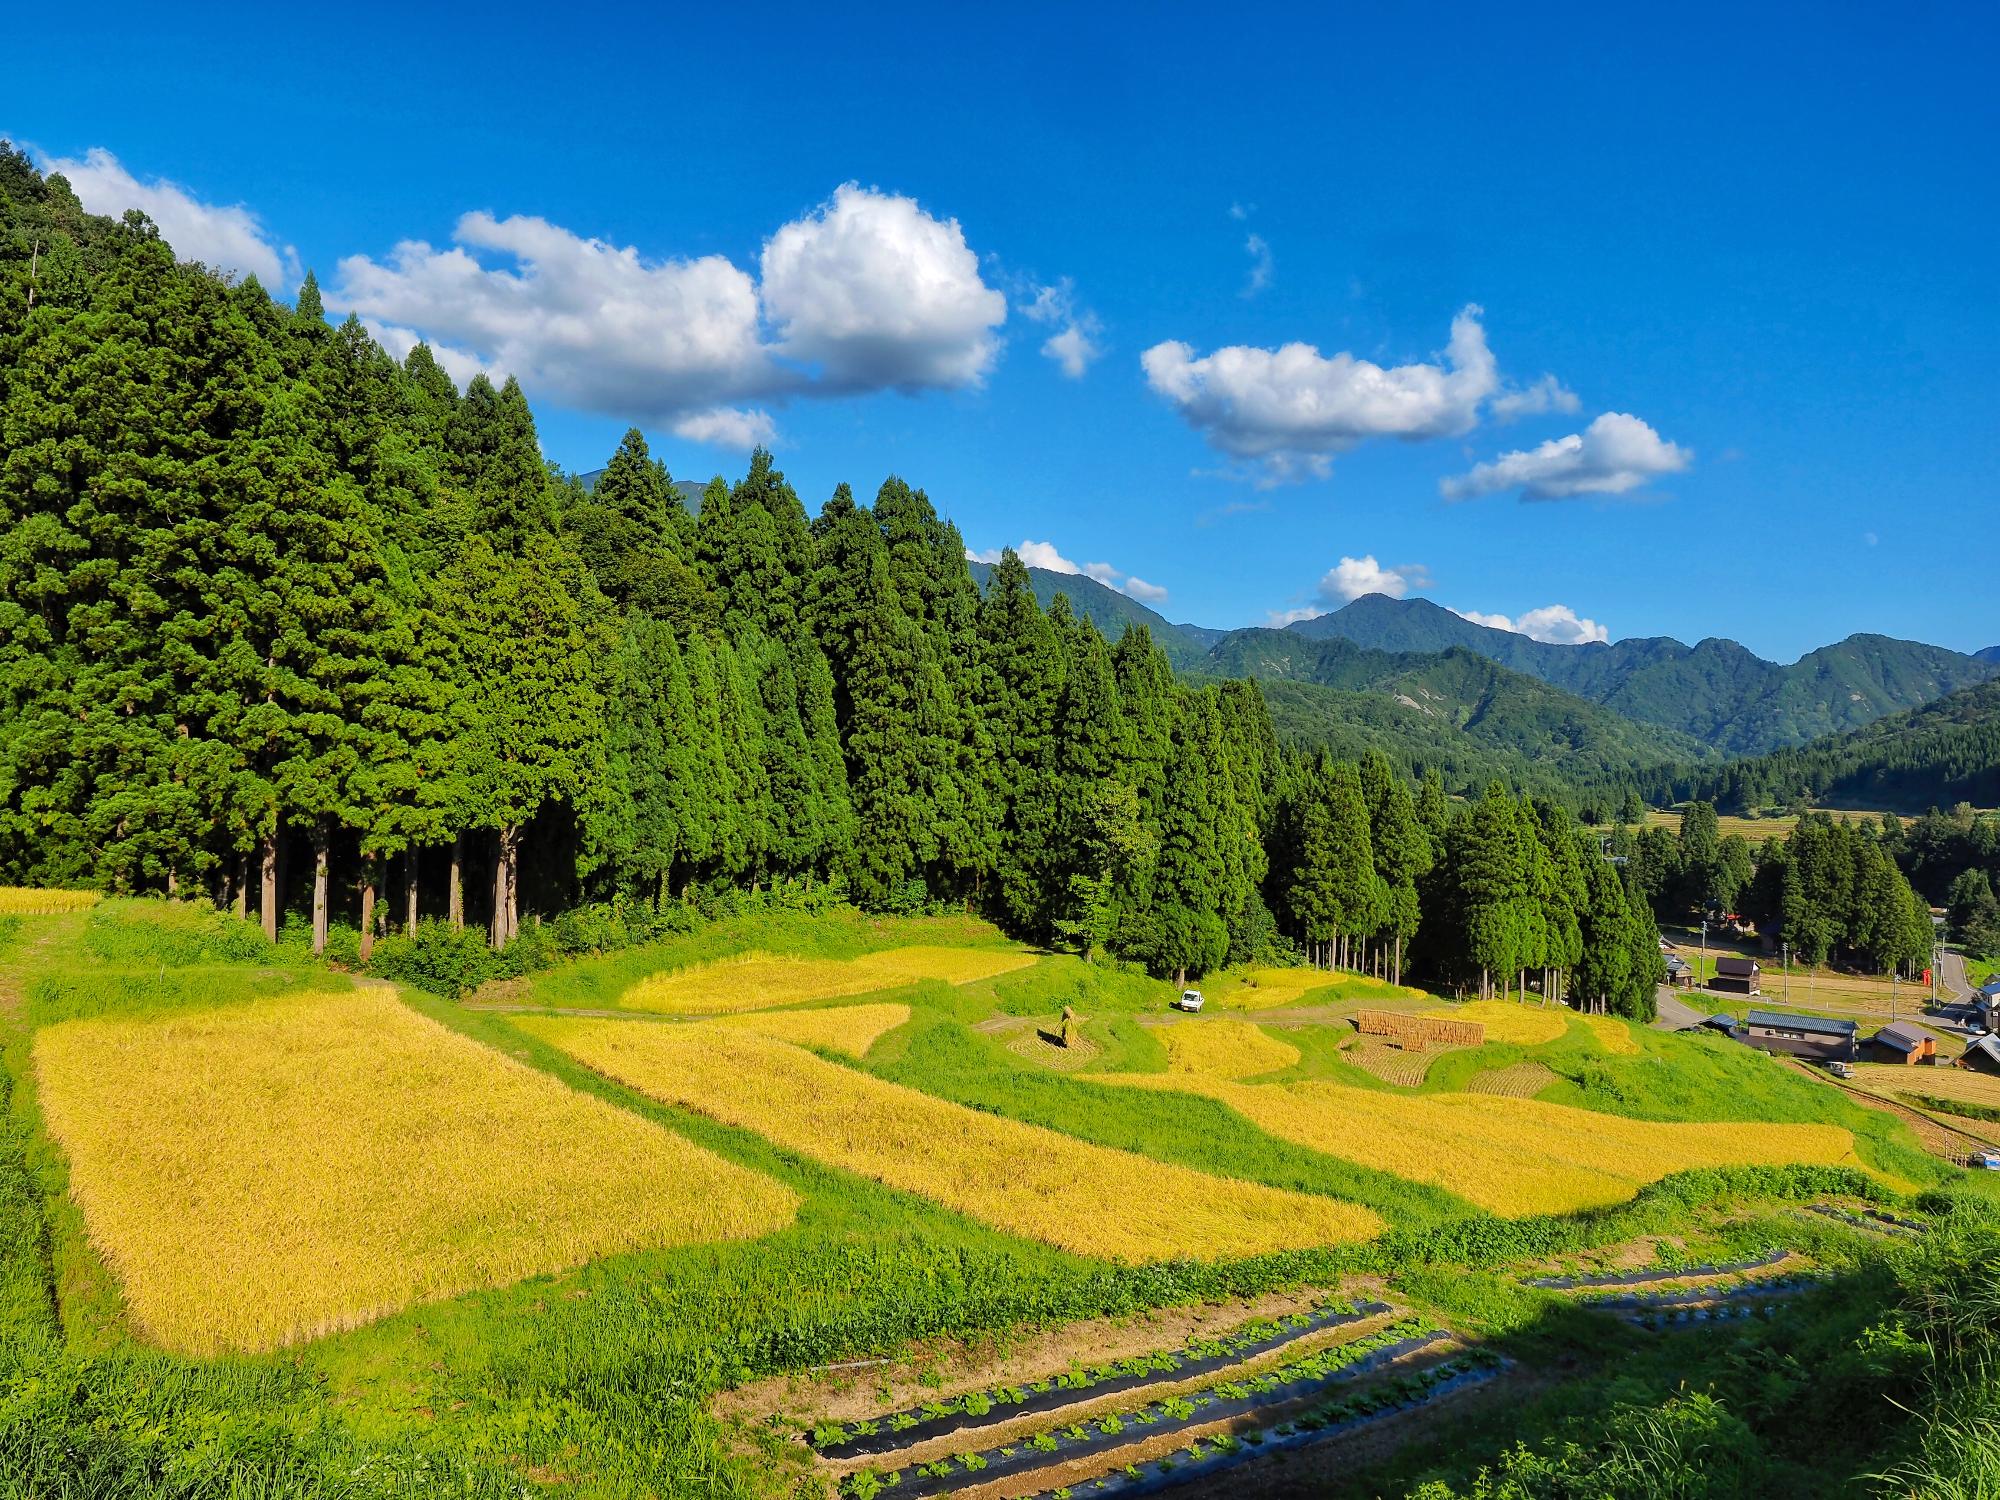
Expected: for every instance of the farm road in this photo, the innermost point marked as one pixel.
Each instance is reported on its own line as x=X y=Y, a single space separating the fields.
x=1675 y=1013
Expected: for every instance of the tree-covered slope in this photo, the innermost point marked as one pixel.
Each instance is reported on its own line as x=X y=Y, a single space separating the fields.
x=1943 y=753
x=1716 y=690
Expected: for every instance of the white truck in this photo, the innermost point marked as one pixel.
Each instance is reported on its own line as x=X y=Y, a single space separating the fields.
x=1189 y=1001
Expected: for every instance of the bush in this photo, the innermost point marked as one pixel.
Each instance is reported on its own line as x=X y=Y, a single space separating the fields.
x=442 y=959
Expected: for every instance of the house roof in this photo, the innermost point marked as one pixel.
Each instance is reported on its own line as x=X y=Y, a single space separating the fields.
x=1721 y=1021
x=1818 y=1025
x=1987 y=1045
x=1903 y=1036
x=1736 y=968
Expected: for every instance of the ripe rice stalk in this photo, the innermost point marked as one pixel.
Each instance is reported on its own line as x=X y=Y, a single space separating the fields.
x=1398 y=1065
x=1509 y=1020
x=1510 y=1156
x=31 y=901
x=272 y=1172
x=852 y=1029
x=1521 y=1080
x=1224 y=1049
x=1025 y=1179
x=1612 y=1034
x=762 y=981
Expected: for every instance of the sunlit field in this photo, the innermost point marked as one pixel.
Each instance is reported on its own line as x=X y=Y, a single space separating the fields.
x=274 y=1171
x=1509 y=1156
x=1022 y=1178
x=760 y=981
x=1510 y=1021
x=1224 y=1049
x=1612 y=1034
x=1268 y=988
x=851 y=1029
x=28 y=901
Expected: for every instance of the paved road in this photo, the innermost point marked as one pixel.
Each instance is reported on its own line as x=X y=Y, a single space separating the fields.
x=1675 y=1012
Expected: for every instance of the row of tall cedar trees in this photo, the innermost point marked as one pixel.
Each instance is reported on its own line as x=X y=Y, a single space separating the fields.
x=1829 y=891
x=279 y=614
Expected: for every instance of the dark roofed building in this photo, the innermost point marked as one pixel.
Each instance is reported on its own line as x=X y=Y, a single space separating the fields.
x=1723 y=1022
x=1812 y=1037
x=1901 y=1042
x=1738 y=975
x=1982 y=1054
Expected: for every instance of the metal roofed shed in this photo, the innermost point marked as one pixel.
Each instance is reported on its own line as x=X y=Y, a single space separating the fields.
x=1902 y=1042
x=1815 y=1038
x=1982 y=1054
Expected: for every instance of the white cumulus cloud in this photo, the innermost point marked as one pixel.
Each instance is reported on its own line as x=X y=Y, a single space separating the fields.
x=1352 y=577
x=877 y=293
x=225 y=237
x=1557 y=624
x=1291 y=409
x=1614 y=454
x=1048 y=557
x=460 y=364
x=1533 y=400
x=866 y=292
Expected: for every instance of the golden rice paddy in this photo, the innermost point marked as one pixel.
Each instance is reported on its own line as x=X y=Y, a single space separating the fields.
x=1405 y=1069
x=1509 y=1156
x=761 y=981
x=1942 y=1083
x=1021 y=1178
x=1612 y=1034
x=1510 y=1021
x=27 y=901
x=852 y=1029
x=1224 y=1049
x=1267 y=988
x=272 y=1172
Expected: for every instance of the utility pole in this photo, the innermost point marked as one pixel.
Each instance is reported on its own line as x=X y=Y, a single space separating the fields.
x=34 y=272
x=1785 y=954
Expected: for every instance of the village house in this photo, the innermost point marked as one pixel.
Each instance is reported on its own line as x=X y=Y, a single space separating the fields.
x=1737 y=975
x=1902 y=1042
x=1813 y=1038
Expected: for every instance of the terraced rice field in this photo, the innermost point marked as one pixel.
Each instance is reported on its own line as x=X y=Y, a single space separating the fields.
x=852 y=1029
x=1224 y=1049
x=1509 y=1156
x=1392 y=1064
x=28 y=901
x=1031 y=1043
x=762 y=981
x=1017 y=1177
x=1262 y=989
x=1961 y=1084
x=1521 y=1080
x=1509 y=1020
x=1612 y=1034
x=272 y=1172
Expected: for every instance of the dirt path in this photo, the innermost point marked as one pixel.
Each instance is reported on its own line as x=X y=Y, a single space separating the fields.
x=27 y=960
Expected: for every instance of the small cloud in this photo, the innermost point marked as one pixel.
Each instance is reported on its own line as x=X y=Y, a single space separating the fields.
x=1870 y=538
x=1557 y=624
x=1280 y=618
x=1260 y=265
x=1614 y=454
x=1353 y=578
x=734 y=427
x=1545 y=395
x=1046 y=556
x=1076 y=345
x=1240 y=212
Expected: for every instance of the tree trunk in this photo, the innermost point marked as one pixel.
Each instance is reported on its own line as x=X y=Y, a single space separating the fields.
x=410 y=890
x=173 y=883
x=457 y=881
x=513 y=883
x=497 y=930
x=368 y=875
x=267 y=887
x=1396 y=976
x=241 y=895
x=319 y=888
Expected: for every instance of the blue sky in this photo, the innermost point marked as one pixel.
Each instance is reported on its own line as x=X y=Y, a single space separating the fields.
x=1754 y=248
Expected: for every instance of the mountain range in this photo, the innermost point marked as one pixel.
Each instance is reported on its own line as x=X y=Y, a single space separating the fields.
x=1405 y=674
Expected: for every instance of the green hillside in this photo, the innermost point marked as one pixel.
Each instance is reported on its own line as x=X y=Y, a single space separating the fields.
x=1717 y=690
x=1111 y=612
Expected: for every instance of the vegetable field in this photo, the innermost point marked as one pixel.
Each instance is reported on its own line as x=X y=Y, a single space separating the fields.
x=1022 y=1178
x=271 y=1172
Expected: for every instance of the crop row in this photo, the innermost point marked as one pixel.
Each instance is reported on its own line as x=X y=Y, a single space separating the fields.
x=1714 y=1292
x=1204 y=1458
x=1671 y=1273
x=1883 y=1223
x=1000 y=1403
x=1289 y=1381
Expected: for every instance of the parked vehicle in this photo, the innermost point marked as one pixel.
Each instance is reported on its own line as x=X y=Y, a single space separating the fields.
x=1840 y=1069
x=1985 y=1161
x=1190 y=1000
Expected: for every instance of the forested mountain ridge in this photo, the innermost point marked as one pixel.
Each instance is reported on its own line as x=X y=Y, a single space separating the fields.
x=1716 y=690
x=1944 y=753
x=1110 y=611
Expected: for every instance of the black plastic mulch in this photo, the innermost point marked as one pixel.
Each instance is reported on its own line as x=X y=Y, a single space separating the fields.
x=1776 y=1287
x=914 y=1484
x=924 y=1429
